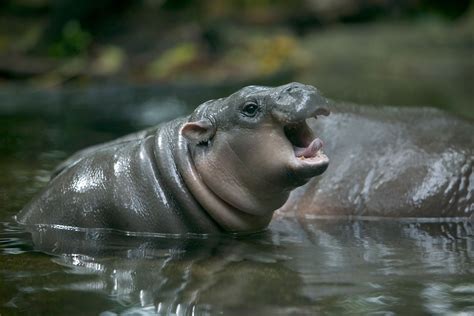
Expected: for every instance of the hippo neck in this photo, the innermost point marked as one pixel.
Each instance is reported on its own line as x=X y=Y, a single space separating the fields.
x=179 y=204
x=228 y=217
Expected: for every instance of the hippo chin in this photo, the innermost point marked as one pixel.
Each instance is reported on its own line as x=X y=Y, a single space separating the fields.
x=226 y=167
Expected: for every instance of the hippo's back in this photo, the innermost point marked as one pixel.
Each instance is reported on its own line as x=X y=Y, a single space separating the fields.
x=392 y=162
x=129 y=184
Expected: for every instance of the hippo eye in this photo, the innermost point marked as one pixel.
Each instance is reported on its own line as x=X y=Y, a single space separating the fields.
x=250 y=109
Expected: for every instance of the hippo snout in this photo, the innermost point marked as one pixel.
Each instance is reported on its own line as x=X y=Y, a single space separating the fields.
x=295 y=102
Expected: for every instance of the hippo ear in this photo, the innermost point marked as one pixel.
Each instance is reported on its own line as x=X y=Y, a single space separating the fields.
x=198 y=132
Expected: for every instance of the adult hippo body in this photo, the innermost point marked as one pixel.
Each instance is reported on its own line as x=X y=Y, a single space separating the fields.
x=226 y=167
x=389 y=162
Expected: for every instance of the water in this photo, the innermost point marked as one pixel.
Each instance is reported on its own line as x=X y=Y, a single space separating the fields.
x=300 y=265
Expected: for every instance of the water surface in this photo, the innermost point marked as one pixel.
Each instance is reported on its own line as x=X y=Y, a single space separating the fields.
x=300 y=265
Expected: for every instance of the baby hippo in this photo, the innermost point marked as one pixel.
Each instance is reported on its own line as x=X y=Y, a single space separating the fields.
x=226 y=167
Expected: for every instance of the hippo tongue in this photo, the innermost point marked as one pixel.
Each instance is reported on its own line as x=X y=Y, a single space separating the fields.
x=311 y=150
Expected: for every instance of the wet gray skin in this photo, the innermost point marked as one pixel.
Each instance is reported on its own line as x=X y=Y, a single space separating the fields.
x=391 y=162
x=226 y=167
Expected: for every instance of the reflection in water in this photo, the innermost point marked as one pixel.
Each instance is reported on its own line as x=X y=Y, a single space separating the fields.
x=297 y=266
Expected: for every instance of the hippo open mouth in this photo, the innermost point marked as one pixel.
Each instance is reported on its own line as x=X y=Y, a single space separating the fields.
x=305 y=144
x=306 y=147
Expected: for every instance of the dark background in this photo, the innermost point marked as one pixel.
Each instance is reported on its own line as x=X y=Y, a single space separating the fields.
x=410 y=52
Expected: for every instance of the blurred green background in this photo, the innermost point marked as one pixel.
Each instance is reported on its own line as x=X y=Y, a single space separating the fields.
x=409 y=52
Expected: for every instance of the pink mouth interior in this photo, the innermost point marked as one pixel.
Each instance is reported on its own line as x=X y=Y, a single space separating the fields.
x=310 y=151
x=304 y=143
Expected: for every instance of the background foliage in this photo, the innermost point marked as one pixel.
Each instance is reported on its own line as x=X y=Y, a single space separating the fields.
x=409 y=52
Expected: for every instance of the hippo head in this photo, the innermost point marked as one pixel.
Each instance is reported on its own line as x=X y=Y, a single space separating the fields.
x=253 y=147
